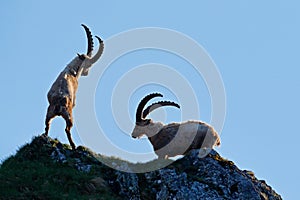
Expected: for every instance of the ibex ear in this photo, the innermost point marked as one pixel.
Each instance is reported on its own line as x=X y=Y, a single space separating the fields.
x=147 y=121
x=85 y=72
x=81 y=56
x=144 y=122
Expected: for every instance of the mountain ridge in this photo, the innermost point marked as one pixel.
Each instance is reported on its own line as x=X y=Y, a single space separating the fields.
x=48 y=169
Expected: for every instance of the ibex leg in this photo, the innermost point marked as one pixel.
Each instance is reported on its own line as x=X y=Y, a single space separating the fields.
x=50 y=115
x=69 y=123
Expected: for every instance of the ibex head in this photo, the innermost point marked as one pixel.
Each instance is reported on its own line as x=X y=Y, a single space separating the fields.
x=147 y=126
x=85 y=61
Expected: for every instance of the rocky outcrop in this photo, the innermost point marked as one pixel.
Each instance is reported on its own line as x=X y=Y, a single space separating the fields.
x=190 y=177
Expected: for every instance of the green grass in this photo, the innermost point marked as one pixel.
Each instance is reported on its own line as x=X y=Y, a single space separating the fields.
x=32 y=174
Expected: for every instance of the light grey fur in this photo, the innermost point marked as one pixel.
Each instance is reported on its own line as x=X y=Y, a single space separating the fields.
x=175 y=138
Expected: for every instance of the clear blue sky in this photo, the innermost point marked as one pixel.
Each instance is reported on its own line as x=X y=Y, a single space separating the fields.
x=255 y=45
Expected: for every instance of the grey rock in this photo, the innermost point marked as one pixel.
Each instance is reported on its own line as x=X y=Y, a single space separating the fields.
x=58 y=156
x=190 y=177
x=129 y=185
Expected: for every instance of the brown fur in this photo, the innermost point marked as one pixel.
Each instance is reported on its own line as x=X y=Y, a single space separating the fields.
x=62 y=94
x=61 y=98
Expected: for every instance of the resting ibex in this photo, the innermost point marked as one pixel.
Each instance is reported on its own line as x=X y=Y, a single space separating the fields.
x=172 y=139
x=61 y=96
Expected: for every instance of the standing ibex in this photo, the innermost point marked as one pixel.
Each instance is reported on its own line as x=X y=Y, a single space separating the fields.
x=61 y=96
x=172 y=139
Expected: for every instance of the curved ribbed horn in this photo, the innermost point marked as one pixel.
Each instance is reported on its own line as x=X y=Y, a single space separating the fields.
x=158 y=105
x=99 y=52
x=89 y=39
x=142 y=104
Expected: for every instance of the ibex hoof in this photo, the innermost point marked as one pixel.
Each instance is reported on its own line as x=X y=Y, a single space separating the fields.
x=45 y=134
x=73 y=147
